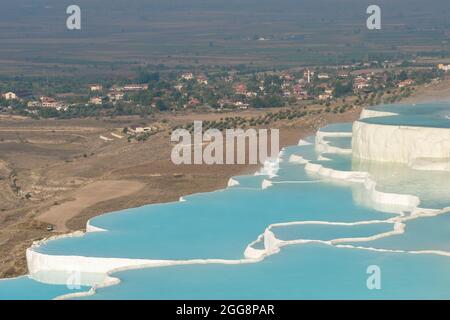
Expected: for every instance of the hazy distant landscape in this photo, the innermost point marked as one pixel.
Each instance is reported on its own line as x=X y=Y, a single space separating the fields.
x=117 y=35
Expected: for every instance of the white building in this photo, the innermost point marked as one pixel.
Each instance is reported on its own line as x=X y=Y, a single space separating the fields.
x=325 y=96
x=444 y=67
x=48 y=102
x=135 y=87
x=135 y=129
x=96 y=100
x=323 y=76
x=96 y=87
x=9 y=96
x=202 y=79
x=115 y=96
x=187 y=76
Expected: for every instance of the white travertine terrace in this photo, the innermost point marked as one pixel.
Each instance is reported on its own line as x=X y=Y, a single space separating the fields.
x=91 y=228
x=40 y=262
x=431 y=165
x=297 y=159
x=370 y=113
x=322 y=146
x=271 y=166
x=321 y=135
x=399 y=144
x=233 y=182
x=302 y=142
x=368 y=195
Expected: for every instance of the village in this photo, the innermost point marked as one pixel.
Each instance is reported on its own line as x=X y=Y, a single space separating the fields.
x=231 y=90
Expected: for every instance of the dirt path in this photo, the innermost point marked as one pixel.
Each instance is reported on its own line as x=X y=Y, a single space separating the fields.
x=92 y=194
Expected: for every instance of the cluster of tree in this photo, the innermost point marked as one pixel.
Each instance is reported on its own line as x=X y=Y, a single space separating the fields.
x=145 y=76
x=242 y=123
x=338 y=109
x=270 y=101
x=342 y=89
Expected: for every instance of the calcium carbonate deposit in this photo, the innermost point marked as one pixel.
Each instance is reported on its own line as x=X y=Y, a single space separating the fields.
x=312 y=224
